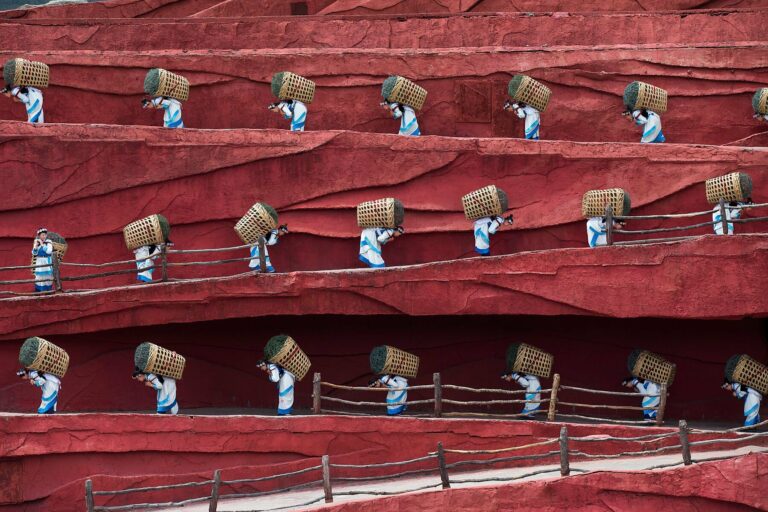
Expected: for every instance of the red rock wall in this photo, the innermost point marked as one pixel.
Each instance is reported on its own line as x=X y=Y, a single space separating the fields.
x=467 y=89
x=467 y=350
x=731 y=485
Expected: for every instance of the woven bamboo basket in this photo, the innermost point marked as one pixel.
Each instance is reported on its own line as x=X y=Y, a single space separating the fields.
x=146 y=231
x=736 y=186
x=404 y=91
x=292 y=358
x=752 y=373
x=485 y=202
x=290 y=86
x=653 y=367
x=388 y=360
x=530 y=360
x=26 y=73
x=43 y=356
x=151 y=358
x=640 y=95
x=161 y=82
x=259 y=220
x=529 y=91
x=593 y=202
x=381 y=213
x=760 y=101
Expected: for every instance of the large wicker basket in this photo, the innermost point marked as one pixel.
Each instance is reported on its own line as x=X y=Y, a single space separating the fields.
x=160 y=361
x=485 y=202
x=736 y=186
x=751 y=373
x=407 y=93
x=292 y=358
x=653 y=367
x=168 y=84
x=296 y=87
x=593 y=202
x=760 y=101
x=49 y=358
x=529 y=360
x=146 y=231
x=26 y=73
x=381 y=213
x=396 y=362
x=529 y=91
x=648 y=97
x=256 y=223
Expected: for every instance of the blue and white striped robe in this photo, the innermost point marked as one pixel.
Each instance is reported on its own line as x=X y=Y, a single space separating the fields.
x=371 y=241
x=596 y=233
x=255 y=263
x=285 y=381
x=166 y=394
x=752 y=401
x=409 y=126
x=296 y=111
x=646 y=388
x=531 y=116
x=49 y=384
x=146 y=266
x=43 y=275
x=532 y=392
x=484 y=228
x=730 y=213
x=172 y=115
x=652 y=126
x=398 y=393
x=33 y=101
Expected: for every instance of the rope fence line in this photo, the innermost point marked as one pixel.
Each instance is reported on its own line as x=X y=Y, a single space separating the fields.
x=563 y=450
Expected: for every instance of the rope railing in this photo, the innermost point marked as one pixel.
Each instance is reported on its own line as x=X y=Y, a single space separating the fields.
x=330 y=477
x=724 y=221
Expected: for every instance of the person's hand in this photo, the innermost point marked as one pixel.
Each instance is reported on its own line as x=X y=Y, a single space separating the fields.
x=509 y=219
x=385 y=105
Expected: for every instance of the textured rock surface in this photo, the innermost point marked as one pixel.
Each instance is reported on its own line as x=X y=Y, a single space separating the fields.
x=465 y=350
x=516 y=30
x=731 y=485
x=230 y=88
x=50 y=457
x=665 y=280
x=96 y=179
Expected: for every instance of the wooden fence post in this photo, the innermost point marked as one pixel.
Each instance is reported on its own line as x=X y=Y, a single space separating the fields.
x=686 y=445
x=553 y=397
x=441 y=463
x=262 y=255
x=565 y=467
x=316 y=390
x=89 y=495
x=164 y=262
x=723 y=218
x=438 y=395
x=662 y=404
x=56 y=273
x=609 y=224
x=213 y=506
x=327 y=479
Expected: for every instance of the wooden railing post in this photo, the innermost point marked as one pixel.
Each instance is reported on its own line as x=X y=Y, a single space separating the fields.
x=553 y=397
x=441 y=464
x=565 y=466
x=686 y=445
x=327 y=479
x=262 y=255
x=723 y=217
x=662 y=404
x=438 y=395
x=56 y=273
x=89 y=495
x=164 y=262
x=316 y=390
x=609 y=224
x=213 y=506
